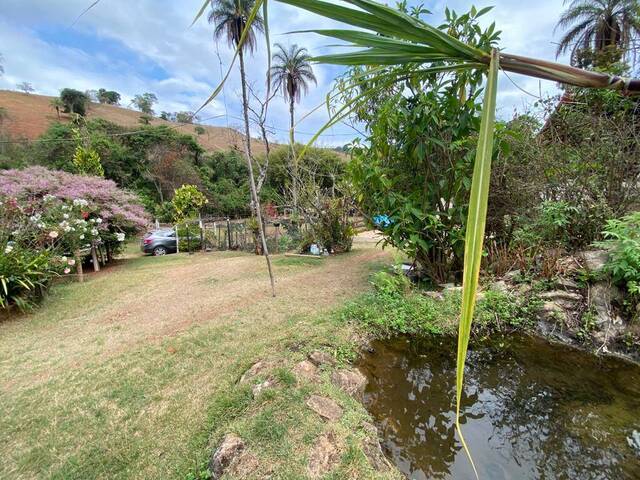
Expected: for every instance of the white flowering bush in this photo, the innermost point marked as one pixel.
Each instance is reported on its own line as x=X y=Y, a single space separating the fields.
x=38 y=241
x=48 y=218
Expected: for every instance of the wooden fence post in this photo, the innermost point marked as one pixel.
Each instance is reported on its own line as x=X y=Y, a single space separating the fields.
x=229 y=232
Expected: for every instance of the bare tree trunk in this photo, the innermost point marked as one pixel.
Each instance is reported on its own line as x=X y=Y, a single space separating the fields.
x=252 y=183
x=79 y=271
x=293 y=164
x=94 y=257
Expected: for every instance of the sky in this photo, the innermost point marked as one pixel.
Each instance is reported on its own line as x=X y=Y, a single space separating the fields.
x=149 y=46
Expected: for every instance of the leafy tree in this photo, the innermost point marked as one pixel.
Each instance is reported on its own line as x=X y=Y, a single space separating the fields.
x=416 y=165
x=168 y=116
x=25 y=87
x=230 y=18
x=1 y=65
x=92 y=95
x=74 y=101
x=145 y=119
x=187 y=201
x=199 y=129
x=292 y=73
x=144 y=102
x=56 y=104
x=604 y=29
x=185 y=117
x=108 y=97
x=85 y=159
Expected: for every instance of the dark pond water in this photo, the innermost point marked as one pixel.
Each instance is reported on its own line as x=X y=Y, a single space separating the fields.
x=531 y=411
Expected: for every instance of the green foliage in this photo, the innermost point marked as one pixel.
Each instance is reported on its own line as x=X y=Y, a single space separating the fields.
x=187 y=201
x=576 y=167
x=108 y=96
x=86 y=160
x=331 y=228
x=500 y=310
x=24 y=274
x=396 y=307
x=74 y=101
x=285 y=243
x=144 y=102
x=622 y=239
x=189 y=238
x=417 y=166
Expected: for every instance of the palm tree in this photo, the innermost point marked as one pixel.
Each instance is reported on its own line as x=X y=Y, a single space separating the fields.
x=292 y=72
x=230 y=18
x=56 y=104
x=600 y=27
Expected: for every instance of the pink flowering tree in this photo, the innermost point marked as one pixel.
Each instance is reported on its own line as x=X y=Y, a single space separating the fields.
x=115 y=212
x=50 y=219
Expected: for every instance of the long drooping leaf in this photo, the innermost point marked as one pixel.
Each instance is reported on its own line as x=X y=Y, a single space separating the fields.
x=474 y=239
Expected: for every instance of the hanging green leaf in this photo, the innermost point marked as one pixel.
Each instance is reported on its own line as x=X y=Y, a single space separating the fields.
x=476 y=221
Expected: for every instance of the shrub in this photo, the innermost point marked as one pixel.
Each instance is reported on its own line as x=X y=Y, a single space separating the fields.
x=331 y=226
x=417 y=162
x=622 y=239
x=24 y=274
x=396 y=307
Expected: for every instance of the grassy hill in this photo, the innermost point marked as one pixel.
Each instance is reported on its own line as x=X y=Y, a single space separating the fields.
x=29 y=116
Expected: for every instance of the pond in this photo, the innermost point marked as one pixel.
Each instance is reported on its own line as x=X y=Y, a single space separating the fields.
x=532 y=410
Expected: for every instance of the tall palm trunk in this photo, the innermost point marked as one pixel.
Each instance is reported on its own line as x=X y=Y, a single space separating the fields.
x=294 y=161
x=255 y=201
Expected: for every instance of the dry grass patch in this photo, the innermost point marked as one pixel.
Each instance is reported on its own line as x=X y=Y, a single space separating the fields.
x=134 y=373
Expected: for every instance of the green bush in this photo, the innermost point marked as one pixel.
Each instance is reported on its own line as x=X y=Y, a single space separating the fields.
x=24 y=275
x=190 y=242
x=622 y=239
x=395 y=307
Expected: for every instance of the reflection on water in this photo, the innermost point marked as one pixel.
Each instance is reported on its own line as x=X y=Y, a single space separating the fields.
x=531 y=410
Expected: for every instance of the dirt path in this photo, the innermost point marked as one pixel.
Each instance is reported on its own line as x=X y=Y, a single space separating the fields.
x=131 y=307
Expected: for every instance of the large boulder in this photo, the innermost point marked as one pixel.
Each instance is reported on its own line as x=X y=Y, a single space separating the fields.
x=228 y=450
x=552 y=312
x=601 y=297
x=594 y=260
x=563 y=298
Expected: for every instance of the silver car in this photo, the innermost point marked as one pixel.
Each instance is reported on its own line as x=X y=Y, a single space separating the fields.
x=159 y=242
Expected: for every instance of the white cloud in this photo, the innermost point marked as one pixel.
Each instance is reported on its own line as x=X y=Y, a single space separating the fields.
x=186 y=69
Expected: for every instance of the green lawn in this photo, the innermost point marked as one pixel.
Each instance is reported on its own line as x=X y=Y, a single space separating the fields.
x=134 y=373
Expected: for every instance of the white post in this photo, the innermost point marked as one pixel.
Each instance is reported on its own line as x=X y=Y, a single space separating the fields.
x=177 y=240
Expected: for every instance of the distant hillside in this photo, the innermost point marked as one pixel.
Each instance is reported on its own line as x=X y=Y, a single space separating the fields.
x=30 y=115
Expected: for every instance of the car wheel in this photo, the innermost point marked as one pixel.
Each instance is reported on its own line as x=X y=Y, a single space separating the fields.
x=158 y=251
